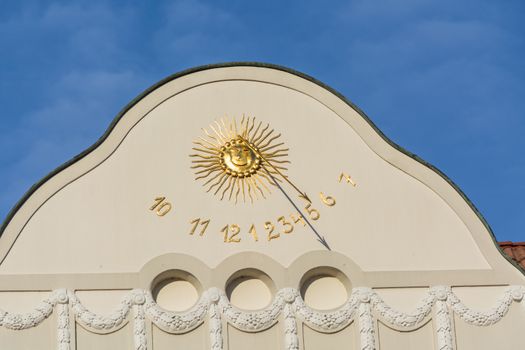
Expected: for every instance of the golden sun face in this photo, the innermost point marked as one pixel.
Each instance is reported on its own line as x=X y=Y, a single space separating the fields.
x=239 y=160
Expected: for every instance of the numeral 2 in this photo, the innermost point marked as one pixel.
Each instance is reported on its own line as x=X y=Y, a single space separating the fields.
x=270 y=227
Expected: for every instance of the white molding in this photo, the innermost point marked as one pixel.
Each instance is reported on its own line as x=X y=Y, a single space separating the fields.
x=175 y=322
x=364 y=305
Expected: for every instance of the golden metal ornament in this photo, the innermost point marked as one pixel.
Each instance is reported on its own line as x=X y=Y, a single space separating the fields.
x=235 y=159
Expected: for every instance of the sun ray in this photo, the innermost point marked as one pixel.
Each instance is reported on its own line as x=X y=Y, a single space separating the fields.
x=216 y=146
x=216 y=167
x=219 y=129
x=264 y=138
x=205 y=151
x=250 y=183
x=269 y=142
x=274 y=174
x=246 y=126
x=255 y=132
x=233 y=124
x=232 y=188
x=266 y=149
x=249 y=190
x=238 y=191
x=211 y=136
x=227 y=130
x=243 y=193
x=211 y=179
x=198 y=166
x=213 y=149
x=274 y=157
x=279 y=167
x=231 y=128
x=227 y=187
x=216 y=183
x=257 y=187
x=221 y=138
x=234 y=121
x=255 y=138
x=222 y=184
x=275 y=152
x=212 y=160
x=243 y=127
x=267 y=178
x=256 y=177
x=203 y=157
x=281 y=161
x=207 y=174
x=251 y=128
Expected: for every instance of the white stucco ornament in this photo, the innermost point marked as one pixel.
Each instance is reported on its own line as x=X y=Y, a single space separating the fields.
x=364 y=303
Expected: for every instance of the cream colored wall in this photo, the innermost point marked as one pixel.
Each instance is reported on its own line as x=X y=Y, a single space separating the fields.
x=111 y=200
x=196 y=340
x=41 y=337
x=314 y=340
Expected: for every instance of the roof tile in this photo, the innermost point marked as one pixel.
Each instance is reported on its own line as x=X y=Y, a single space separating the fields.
x=515 y=250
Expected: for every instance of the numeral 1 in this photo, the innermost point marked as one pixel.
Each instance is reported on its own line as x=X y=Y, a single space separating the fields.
x=253 y=232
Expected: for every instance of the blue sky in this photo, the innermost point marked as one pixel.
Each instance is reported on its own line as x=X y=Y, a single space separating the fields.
x=443 y=79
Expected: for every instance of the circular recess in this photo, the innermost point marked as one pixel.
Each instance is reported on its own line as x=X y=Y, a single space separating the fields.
x=325 y=288
x=176 y=290
x=250 y=289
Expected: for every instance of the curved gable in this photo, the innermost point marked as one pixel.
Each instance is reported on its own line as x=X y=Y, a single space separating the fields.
x=404 y=223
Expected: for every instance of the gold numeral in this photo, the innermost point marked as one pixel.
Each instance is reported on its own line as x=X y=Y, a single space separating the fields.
x=196 y=222
x=329 y=201
x=160 y=206
x=288 y=227
x=234 y=229
x=253 y=232
x=314 y=213
x=299 y=219
x=270 y=227
x=348 y=179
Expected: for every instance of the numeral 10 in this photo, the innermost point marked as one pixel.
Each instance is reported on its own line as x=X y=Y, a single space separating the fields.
x=161 y=206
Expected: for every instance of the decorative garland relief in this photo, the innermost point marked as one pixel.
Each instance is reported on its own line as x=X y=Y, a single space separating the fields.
x=363 y=306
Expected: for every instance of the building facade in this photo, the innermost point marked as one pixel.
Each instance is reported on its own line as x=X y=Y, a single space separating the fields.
x=250 y=206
